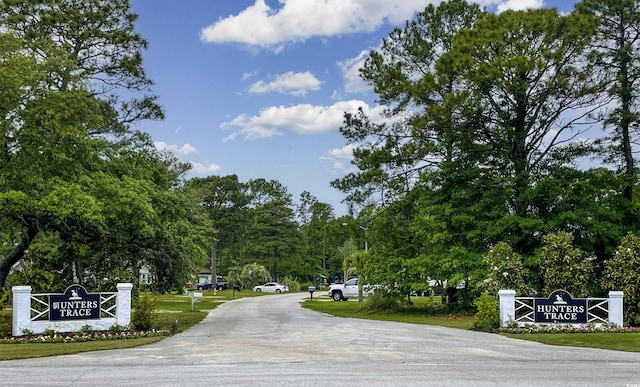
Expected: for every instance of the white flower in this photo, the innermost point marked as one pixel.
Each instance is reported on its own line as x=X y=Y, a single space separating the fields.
x=505 y=274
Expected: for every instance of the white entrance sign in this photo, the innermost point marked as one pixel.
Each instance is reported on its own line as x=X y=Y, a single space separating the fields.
x=560 y=308
x=70 y=311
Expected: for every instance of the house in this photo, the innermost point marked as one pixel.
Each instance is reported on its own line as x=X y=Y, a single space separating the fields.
x=145 y=275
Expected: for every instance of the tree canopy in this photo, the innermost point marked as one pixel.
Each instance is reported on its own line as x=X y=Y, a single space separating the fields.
x=84 y=194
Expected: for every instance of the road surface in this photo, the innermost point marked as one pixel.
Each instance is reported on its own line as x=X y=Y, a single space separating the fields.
x=272 y=341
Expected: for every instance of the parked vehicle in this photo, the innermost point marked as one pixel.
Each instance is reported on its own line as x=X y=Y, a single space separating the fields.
x=204 y=286
x=349 y=289
x=271 y=287
x=220 y=284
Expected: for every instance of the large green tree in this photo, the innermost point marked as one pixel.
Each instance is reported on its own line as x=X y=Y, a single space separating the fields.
x=481 y=108
x=273 y=236
x=525 y=74
x=91 y=44
x=226 y=201
x=616 y=55
x=391 y=155
x=315 y=218
x=73 y=173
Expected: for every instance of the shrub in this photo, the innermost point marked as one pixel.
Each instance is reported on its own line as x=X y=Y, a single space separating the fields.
x=28 y=332
x=86 y=328
x=506 y=270
x=49 y=332
x=380 y=302
x=144 y=315
x=294 y=286
x=117 y=328
x=5 y=326
x=305 y=286
x=487 y=318
x=621 y=273
x=562 y=266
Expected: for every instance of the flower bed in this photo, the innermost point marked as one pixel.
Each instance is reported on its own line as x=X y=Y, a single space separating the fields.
x=568 y=329
x=78 y=337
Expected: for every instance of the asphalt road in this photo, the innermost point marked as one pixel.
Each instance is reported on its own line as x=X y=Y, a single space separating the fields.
x=272 y=341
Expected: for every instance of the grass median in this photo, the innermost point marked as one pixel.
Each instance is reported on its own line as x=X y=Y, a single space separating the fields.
x=422 y=312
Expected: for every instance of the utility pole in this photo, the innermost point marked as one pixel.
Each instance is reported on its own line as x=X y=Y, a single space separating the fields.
x=214 y=275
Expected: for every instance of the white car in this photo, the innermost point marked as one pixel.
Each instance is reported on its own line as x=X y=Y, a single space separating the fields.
x=271 y=287
x=342 y=292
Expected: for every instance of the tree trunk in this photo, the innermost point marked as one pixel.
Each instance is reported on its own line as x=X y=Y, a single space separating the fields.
x=28 y=234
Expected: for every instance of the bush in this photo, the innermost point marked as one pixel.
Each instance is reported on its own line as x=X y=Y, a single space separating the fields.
x=305 y=286
x=294 y=286
x=49 y=332
x=117 y=328
x=621 y=273
x=144 y=315
x=380 y=302
x=488 y=317
x=563 y=266
x=5 y=325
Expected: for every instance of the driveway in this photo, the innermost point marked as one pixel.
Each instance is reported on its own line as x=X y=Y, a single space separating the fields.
x=271 y=340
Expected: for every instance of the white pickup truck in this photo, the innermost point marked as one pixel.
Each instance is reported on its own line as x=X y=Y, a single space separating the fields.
x=349 y=289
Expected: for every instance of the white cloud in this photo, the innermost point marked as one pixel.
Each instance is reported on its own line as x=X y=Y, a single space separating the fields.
x=183 y=150
x=202 y=169
x=350 y=69
x=297 y=20
x=519 y=5
x=297 y=84
x=248 y=75
x=515 y=5
x=297 y=119
x=341 y=159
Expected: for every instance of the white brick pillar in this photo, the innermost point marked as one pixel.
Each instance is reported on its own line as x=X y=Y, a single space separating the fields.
x=507 y=306
x=123 y=307
x=21 y=309
x=616 y=314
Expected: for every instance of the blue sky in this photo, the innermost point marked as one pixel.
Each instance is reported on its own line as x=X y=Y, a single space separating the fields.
x=258 y=88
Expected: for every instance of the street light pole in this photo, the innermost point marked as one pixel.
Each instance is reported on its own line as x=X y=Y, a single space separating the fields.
x=366 y=244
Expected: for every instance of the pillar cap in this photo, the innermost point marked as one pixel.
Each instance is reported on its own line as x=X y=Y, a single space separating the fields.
x=21 y=289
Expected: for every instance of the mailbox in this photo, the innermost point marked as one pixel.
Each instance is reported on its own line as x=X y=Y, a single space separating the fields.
x=194 y=297
x=311 y=290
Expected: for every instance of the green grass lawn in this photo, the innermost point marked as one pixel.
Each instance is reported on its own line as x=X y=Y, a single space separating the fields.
x=170 y=308
x=419 y=314
x=629 y=342
x=24 y=351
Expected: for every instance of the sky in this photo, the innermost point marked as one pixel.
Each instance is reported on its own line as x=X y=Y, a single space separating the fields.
x=259 y=88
